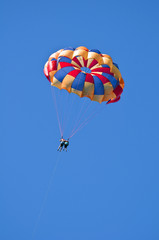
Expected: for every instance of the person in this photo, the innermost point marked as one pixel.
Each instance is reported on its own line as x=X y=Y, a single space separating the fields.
x=66 y=143
x=61 y=144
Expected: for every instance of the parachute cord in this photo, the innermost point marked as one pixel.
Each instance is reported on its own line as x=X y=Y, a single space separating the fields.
x=81 y=114
x=45 y=196
x=60 y=94
x=83 y=125
x=65 y=117
x=91 y=116
x=55 y=103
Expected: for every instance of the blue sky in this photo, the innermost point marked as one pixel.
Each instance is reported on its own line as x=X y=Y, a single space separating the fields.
x=106 y=186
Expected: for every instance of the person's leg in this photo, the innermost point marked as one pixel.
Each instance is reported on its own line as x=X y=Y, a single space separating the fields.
x=60 y=148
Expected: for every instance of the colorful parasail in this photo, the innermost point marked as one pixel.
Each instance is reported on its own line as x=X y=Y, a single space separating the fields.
x=87 y=73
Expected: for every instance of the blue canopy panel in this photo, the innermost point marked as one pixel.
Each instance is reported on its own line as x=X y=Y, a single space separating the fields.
x=60 y=74
x=79 y=81
x=64 y=59
x=98 y=86
x=112 y=79
x=95 y=50
x=69 y=48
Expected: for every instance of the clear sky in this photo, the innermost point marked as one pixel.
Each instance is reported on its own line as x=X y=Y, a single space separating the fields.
x=106 y=186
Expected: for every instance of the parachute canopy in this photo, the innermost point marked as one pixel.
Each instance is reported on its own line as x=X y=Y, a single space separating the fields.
x=87 y=73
